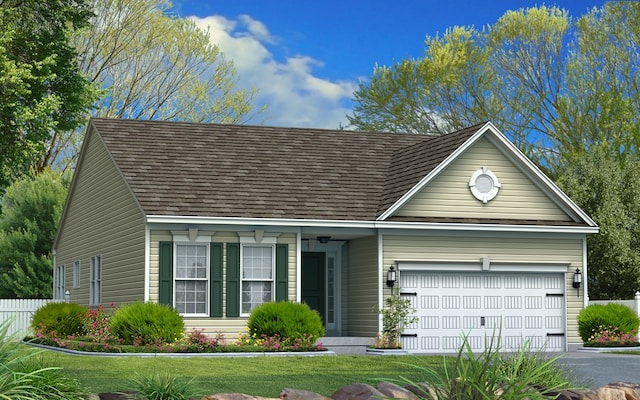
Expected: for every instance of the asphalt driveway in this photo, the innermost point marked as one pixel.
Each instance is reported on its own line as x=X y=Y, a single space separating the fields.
x=593 y=369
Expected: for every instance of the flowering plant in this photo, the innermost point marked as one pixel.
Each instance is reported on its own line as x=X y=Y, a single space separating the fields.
x=611 y=336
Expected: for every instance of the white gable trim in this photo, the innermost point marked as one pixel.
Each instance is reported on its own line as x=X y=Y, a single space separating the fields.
x=511 y=151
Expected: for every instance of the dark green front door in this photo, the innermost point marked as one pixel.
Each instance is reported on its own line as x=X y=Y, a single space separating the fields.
x=313 y=282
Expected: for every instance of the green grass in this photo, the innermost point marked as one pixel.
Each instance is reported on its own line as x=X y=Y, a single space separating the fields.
x=258 y=376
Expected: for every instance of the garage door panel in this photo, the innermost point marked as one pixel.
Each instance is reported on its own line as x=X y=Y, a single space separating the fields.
x=450 y=306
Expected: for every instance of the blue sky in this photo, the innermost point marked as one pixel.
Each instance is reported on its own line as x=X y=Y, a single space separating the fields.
x=306 y=57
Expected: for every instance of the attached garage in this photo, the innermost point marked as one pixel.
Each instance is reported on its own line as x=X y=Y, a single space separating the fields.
x=520 y=303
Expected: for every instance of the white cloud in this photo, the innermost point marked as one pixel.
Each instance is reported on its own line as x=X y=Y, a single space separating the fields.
x=294 y=96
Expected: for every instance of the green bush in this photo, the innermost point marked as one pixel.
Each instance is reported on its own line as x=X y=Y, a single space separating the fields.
x=147 y=323
x=59 y=319
x=592 y=318
x=288 y=320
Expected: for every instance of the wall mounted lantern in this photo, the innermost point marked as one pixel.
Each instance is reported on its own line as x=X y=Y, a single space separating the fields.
x=391 y=278
x=577 y=279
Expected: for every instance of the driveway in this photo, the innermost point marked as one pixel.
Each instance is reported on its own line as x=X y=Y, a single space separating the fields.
x=593 y=369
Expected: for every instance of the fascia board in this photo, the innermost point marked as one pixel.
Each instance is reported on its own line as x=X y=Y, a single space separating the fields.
x=434 y=173
x=433 y=226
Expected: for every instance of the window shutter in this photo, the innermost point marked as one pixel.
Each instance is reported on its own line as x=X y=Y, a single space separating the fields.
x=282 y=265
x=233 y=279
x=216 y=280
x=165 y=295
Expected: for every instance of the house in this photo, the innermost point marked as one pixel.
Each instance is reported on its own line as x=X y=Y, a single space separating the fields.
x=216 y=219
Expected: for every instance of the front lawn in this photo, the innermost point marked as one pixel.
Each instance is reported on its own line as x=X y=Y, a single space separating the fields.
x=260 y=376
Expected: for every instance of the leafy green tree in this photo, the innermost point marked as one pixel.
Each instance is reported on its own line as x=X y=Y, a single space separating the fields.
x=32 y=208
x=41 y=88
x=566 y=92
x=554 y=86
x=610 y=192
x=151 y=64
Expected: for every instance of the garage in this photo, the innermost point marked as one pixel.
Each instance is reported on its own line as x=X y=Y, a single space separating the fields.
x=521 y=306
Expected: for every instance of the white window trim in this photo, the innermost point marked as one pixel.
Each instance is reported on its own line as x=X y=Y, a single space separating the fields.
x=193 y=237
x=95 y=299
x=484 y=196
x=250 y=242
x=60 y=282
x=76 y=274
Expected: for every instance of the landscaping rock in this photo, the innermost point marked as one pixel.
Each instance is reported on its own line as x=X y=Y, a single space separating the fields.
x=299 y=394
x=357 y=391
x=235 y=396
x=422 y=390
x=393 y=391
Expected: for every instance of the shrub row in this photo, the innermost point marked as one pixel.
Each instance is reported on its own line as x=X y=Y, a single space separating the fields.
x=272 y=326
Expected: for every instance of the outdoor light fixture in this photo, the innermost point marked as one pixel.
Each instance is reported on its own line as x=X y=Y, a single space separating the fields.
x=324 y=239
x=577 y=278
x=391 y=278
x=67 y=296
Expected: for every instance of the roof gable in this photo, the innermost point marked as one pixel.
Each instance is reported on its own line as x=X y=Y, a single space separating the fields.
x=443 y=195
x=257 y=172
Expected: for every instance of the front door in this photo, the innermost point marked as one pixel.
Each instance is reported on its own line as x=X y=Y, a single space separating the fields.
x=313 y=282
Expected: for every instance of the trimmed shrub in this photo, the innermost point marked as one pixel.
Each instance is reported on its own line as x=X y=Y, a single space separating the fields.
x=147 y=323
x=59 y=319
x=592 y=318
x=285 y=319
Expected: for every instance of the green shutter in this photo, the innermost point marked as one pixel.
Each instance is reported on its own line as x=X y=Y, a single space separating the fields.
x=216 y=280
x=233 y=279
x=166 y=274
x=282 y=264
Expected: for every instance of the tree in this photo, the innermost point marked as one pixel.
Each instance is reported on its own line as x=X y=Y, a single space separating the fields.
x=42 y=91
x=153 y=65
x=556 y=88
x=566 y=93
x=32 y=208
x=610 y=193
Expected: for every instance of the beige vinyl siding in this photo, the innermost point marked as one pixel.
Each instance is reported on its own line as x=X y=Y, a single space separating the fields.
x=102 y=219
x=448 y=195
x=229 y=327
x=499 y=249
x=363 y=286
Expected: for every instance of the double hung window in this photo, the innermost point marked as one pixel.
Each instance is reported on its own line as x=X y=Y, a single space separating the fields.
x=95 y=280
x=258 y=265
x=192 y=278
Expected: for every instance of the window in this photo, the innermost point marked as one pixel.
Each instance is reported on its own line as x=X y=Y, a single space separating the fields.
x=257 y=276
x=192 y=278
x=95 y=281
x=59 y=279
x=76 y=274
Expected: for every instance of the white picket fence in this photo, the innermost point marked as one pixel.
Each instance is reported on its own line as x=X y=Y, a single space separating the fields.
x=20 y=311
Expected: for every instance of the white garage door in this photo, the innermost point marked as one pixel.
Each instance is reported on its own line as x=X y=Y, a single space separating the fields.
x=449 y=305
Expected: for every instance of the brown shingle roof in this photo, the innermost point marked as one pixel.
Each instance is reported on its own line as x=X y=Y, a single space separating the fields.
x=186 y=169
